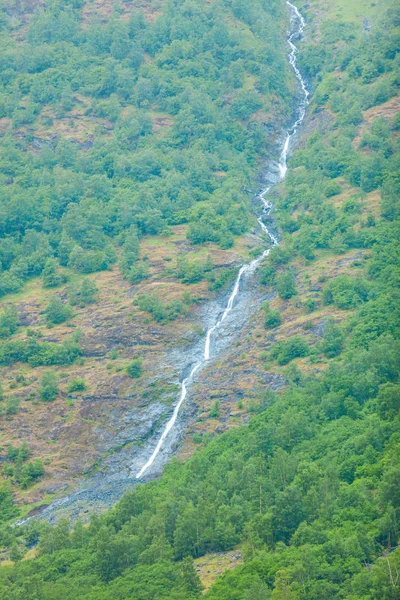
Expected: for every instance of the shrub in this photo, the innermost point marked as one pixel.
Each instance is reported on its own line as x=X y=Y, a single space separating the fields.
x=51 y=276
x=272 y=317
x=134 y=369
x=137 y=273
x=77 y=385
x=286 y=285
x=9 y=321
x=30 y=472
x=284 y=352
x=12 y=406
x=160 y=312
x=84 y=294
x=215 y=410
x=49 y=387
x=90 y=261
x=56 y=312
x=332 y=189
x=333 y=341
x=310 y=305
x=346 y=292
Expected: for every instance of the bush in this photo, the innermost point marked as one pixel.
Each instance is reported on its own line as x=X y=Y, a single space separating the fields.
x=284 y=352
x=310 y=305
x=12 y=406
x=160 y=312
x=77 y=385
x=8 y=510
x=51 y=276
x=268 y=274
x=137 y=273
x=49 y=387
x=332 y=189
x=56 y=312
x=84 y=294
x=30 y=472
x=190 y=271
x=91 y=261
x=9 y=321
x=286 y=285
x=333 y=341
x=134 y=369
x=215 y=410
x=346 y=292
x=272 y=317
x=39 y=354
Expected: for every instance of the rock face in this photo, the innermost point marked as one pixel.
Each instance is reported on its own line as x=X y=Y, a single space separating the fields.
x=93 y=442
x=126 y=424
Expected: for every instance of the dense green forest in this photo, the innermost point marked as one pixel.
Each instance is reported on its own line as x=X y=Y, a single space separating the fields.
x=309 y=489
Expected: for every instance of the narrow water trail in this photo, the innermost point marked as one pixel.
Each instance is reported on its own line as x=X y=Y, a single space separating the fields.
x=297 y=25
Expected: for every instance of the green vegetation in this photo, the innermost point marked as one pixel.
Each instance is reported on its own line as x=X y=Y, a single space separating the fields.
x=57 y=312
x=86 y=170
x=160 y=311
x=77 y=385
x=49 y=386
x=215 y=409
x=82 y=294
x=38 y=354
x=134 y=369
x=333 y=341
x=23 y=473
x=286 y=285
x=12 y=405
x=272 y=318
x=309 y=489
x=284 y=352
x=9 y=321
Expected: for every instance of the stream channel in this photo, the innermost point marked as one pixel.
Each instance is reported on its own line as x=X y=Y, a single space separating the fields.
x=101 y=490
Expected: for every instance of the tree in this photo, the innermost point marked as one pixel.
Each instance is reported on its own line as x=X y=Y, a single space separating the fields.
x=15 y=553
x=258 y=591
x=215 y=409
x=8 y=509
x=389 y=400
x=190 y=580
x=83 y=295
x=9 y=321
x=56 y=312
x=272 y=317
x=286 y=285
x=49 y=387
x=54 y=538
x=30 y=472
x=50 y=275
x=333 y=340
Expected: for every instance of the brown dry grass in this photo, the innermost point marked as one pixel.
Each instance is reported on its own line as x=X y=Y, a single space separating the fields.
x=210 y=566
x=64 y=433
x=387 y=110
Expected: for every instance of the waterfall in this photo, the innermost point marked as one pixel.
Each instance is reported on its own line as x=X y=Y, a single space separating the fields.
x=297 y=27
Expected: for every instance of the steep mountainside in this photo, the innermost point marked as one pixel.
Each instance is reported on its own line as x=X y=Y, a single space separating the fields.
x=303 y=501
x=132 y=133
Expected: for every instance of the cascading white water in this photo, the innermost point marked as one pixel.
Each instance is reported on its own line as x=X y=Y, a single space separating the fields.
x=295 y=32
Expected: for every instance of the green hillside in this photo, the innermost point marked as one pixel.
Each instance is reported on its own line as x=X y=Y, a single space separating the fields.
x=307 y=494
